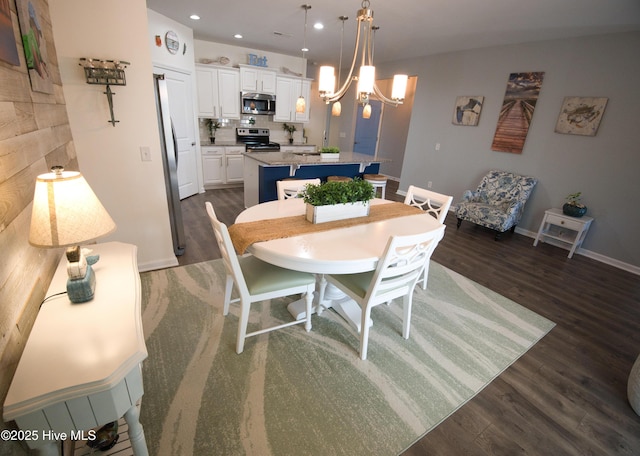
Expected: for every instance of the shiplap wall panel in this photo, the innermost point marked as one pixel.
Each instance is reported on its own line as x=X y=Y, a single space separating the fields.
x=34 y=135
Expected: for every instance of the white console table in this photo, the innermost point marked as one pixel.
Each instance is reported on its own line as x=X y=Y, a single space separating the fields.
x=80 y=368
x=569 y=231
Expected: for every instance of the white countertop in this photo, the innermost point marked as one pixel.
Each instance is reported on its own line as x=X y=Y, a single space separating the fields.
x=291 y=158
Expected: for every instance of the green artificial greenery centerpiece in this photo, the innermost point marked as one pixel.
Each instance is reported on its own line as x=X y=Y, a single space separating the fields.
x=573 y=207
x=213 y=125
x=290 y=129
x=328 y=193
x=330 y=150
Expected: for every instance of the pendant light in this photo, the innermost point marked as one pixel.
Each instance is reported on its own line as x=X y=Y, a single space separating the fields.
x=336 y=109
x=301 y=104
x=366 y=111
x=366 y=75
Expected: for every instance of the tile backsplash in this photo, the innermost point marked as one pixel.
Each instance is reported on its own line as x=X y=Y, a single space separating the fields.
x=227 y=132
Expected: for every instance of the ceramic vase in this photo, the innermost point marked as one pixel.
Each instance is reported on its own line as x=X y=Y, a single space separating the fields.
x=574 y=211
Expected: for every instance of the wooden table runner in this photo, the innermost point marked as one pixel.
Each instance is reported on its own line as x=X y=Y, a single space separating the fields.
x=245 y=234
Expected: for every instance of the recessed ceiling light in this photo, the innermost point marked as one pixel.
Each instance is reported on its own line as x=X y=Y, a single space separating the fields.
x=318 y=26
x=195 y=17
x=237 y=36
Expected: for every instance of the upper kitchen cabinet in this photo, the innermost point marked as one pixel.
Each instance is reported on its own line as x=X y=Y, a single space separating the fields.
x=218 y=92
x=257 y=79
x=288 y=90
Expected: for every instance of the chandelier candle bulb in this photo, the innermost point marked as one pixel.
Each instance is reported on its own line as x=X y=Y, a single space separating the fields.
x=399 y=88
x=366 y=79
x=327 y=82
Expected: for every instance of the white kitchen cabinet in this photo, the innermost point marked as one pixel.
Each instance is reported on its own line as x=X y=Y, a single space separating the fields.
x=218 y=92
x=212 y=165
x=222 y=164
x=256 y=79
x=234 y=164
x=287 y=92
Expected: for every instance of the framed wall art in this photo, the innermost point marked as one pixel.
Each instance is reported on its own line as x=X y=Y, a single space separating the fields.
x=8 y=48
x=467 y=110
x=581 y=115
x=35 y=46
x=516 y=113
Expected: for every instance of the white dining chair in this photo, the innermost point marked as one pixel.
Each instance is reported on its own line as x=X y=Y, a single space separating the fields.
x=433 y=203
x=290 y=188
x=257 y=281
x=395 y=276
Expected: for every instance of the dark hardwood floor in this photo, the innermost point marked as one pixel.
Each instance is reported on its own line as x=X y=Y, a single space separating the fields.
x=565 y=396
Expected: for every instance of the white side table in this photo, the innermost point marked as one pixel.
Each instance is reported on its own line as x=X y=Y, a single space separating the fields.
x=569 y=231
x=80 y=368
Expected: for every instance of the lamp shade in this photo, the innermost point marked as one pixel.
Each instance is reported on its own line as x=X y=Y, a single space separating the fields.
x=66 y=212
x=327 y=81
x=301 y=105
x=367 y=79
x=336 y=109
x=399 y=88
x=366 y=111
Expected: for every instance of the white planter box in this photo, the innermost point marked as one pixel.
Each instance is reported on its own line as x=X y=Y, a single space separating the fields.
x=321 y=214
x=329 y=156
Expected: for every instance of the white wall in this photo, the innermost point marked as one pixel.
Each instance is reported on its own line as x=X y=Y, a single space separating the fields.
x=132 y=191
x=604 y=168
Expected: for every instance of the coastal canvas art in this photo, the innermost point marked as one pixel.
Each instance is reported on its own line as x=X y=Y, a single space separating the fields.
x=8 y=48
x=516 y=113
x=467 y=110
x=35 y=46
x=581 y=115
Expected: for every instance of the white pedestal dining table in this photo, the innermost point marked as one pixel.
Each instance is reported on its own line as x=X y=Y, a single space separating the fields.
x=345 y=250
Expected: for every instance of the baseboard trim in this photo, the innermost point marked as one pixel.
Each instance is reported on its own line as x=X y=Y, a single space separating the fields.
x=580 y=251
x=159 y=264
x=588 y=253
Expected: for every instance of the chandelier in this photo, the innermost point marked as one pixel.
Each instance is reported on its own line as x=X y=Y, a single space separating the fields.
x=366 y=75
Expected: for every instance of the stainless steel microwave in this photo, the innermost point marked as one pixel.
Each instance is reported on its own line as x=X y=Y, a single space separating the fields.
x=258 y=103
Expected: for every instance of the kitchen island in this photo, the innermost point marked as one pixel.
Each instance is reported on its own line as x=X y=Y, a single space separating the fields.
x=263 y=169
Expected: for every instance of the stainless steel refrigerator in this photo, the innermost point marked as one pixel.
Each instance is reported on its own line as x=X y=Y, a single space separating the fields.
x=169 y=148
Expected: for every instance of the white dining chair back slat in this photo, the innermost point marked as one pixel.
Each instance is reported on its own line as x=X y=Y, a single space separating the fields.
x=257 y=281
x=290 y=188
x=395 y=277
x=433 y=203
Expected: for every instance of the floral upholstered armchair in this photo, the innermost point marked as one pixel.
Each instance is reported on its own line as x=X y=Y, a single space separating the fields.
x=498 y=202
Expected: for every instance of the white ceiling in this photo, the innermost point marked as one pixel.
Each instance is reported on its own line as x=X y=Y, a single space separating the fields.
x=408 y=28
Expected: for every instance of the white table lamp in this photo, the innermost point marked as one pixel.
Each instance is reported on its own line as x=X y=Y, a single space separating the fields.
x=67 y=213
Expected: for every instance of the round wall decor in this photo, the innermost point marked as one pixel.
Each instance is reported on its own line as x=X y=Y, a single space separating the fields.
x=171 y=40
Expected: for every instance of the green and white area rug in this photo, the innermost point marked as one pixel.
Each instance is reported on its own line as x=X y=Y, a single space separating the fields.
x=296 y=393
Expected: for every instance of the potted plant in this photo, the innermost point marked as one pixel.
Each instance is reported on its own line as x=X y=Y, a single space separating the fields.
x=331 y=201
x=213 y=125
x=290 y=129
x=330 y=153
x=572 y=207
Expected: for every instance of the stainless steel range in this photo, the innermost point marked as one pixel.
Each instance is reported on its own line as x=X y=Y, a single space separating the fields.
x=256 y=139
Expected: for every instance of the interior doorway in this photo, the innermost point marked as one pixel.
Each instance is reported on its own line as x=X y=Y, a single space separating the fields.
x=365 y=138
